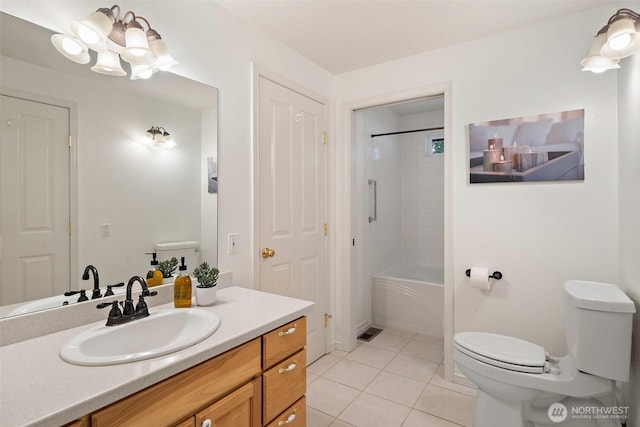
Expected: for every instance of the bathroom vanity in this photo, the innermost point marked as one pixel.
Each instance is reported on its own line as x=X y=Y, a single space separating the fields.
x=250 y=372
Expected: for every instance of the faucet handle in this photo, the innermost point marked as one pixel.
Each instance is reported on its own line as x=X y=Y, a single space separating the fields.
x=141 y=307
x=115 y=310
x=110 y=291
x=82 y=292
x=148 y=293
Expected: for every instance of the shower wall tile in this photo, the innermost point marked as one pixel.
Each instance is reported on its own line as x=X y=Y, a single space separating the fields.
x=422 y=194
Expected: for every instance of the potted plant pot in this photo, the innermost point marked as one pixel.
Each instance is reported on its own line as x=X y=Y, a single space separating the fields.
x=205 y=296
x=206 y=279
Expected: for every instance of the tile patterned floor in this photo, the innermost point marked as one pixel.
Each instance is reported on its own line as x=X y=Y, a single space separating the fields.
x=395 y=380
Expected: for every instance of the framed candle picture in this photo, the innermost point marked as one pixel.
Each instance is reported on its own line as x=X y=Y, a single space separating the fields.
x=545 y=147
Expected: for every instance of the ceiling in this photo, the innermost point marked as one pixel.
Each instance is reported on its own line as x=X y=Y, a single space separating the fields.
x=341 y=36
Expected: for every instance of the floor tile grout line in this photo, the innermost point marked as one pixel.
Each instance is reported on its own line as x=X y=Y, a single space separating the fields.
x=396 y=352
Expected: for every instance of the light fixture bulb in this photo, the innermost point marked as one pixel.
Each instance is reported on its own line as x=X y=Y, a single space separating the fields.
x=622 y=39
x=72 y=46
x=136 y=51
x=95 y=29
x=87 y=34
x=136 y=41
x=164 y=61
x=72 y=49
x=109 y=63
x=141 y=71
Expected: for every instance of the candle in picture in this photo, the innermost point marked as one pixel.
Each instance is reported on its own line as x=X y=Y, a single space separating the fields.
x=510 y=151
x=495 y=142
x=527 y=160
x=490 y=157
x=503 y=166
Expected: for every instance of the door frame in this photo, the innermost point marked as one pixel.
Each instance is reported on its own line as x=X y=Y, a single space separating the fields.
x=257 y=72
x=73 y=170
x=346 y=328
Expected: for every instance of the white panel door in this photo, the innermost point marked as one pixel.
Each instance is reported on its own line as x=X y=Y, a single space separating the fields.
x=292 y=202
x=34 y=200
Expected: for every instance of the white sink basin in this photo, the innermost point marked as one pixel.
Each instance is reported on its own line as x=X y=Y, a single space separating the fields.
x=163 y=332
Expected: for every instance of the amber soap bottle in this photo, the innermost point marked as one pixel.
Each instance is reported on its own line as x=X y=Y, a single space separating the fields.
x=182 y=287
x=154 y=276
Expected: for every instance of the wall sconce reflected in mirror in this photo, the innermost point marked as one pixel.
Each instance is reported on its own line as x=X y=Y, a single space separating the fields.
x=616 y=40
x=158 y=136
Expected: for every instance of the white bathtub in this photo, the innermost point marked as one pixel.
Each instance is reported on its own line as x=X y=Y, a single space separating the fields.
x=409 y=297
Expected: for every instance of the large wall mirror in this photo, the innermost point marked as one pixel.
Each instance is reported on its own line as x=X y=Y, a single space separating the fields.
x=120 y=194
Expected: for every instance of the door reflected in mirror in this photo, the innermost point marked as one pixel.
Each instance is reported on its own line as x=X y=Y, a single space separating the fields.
x=108 y=196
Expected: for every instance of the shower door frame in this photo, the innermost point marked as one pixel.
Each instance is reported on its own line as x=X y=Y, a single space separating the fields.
x=346 y=252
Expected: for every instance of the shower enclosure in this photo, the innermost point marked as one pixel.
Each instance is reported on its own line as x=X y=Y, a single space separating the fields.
x=399 y=216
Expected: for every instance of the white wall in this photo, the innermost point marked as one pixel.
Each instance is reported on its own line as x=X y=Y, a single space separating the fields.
x=213 y=47
x=141 y=191
x=539 y=235
x=629 y=212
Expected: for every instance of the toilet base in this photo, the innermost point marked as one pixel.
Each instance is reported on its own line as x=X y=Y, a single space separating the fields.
x=492 y=412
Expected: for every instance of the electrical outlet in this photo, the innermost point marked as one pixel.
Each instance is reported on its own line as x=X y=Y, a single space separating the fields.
x=105 y=230
x=232 y=243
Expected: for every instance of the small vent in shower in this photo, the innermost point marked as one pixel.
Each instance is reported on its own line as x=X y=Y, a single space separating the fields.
x=369 y=334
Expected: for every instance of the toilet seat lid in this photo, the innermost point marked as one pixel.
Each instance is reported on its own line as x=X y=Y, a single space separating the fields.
x=503 y=351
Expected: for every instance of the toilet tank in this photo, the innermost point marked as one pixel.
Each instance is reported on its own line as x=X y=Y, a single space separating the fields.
x=598 y=321
x=188 y=249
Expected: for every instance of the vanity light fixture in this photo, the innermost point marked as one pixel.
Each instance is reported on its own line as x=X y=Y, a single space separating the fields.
x=114 y=38
x=616 y=40
x=159 y=137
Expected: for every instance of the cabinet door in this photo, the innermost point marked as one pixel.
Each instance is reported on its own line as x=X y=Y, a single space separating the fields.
x=238 y=409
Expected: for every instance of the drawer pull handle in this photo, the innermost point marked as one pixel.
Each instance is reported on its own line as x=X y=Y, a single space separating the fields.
x=207 y=423
x=289 y=419
x=288 y=368
x=288 y=331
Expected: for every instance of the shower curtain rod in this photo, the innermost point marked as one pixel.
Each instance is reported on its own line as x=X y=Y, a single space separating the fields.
x=405 y=131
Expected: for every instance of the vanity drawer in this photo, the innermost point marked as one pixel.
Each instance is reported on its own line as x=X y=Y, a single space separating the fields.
x=294 y=416
x=283 y=384
x=284 y=341
x=177 y=397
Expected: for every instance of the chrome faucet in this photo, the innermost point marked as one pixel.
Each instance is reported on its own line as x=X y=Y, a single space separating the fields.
x=128 y=314
x=96 y=280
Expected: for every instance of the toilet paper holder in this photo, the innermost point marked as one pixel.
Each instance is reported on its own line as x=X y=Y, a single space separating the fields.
x=496 y=274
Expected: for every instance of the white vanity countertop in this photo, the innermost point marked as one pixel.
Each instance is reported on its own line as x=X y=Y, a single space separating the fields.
x=39 y=388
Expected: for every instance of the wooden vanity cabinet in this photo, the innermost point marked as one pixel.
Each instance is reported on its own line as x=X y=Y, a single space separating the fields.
x=172 y=400
x=259 y=383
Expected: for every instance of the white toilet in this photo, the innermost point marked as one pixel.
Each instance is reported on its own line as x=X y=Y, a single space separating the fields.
x=517 y=382
x=189 y=249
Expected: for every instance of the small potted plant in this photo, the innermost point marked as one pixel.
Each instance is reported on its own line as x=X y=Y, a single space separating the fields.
x=207 y=278
x=167 y=268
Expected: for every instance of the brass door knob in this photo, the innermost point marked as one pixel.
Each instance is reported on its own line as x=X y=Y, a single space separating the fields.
x=268 y=253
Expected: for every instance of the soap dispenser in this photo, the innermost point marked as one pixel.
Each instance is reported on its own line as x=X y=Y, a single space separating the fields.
x=154 y=276
x=182 y=287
